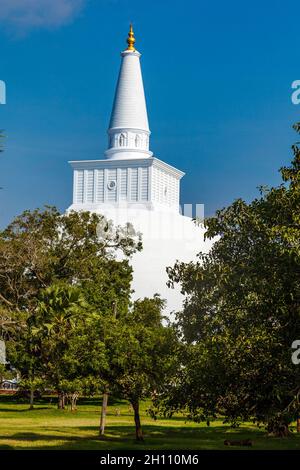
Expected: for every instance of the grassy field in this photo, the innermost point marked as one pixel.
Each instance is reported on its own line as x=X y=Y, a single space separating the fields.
x=45 y=427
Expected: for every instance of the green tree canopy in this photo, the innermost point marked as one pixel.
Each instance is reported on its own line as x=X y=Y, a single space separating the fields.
x=50 y=263
x=242 y=311
x=139 y=350
x=40 y=248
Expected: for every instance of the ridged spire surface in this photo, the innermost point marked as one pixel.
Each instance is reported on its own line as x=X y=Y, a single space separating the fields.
x=129 y=108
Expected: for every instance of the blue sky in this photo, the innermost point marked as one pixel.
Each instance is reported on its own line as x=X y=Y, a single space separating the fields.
x=217 y=77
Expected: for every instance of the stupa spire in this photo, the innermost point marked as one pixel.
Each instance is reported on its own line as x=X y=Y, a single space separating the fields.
x=128 y=128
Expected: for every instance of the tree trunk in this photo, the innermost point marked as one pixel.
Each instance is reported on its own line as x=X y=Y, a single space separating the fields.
x=137 y=420
x=74 y=397
x=298 y=424
x=103 y=413
x=61 y=401
x=105 y=394
x=31 y=399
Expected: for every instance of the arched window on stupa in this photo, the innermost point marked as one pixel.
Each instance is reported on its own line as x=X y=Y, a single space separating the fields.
x=122 y=140
x=137 y=141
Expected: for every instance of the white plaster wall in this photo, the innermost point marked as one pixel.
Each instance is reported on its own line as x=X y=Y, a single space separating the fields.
x=91 y=186
x=165 y=187
x=178 y=238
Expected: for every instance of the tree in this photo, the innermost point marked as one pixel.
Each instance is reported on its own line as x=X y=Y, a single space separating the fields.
x=242 y=312
x=141 y=354
x=5 y=374
x=43 y=249
x=53 y=327
x=131 y=354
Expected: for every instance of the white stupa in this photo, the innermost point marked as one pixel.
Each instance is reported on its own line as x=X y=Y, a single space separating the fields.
x=131 y=185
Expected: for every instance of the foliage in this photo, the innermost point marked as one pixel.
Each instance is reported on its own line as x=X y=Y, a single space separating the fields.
x=62 y=280
x=5 y=374
x=242 y=312
x=133 y=354
x=55 y=270
x=141 y=350
x=40 y=248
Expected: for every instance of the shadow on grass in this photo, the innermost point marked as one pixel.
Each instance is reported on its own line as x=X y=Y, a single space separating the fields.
x=123 y=437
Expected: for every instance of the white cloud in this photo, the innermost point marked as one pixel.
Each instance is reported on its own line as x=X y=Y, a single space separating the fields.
x=25 y=15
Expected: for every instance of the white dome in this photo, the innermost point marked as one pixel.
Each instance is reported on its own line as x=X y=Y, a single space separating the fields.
x=167 y=237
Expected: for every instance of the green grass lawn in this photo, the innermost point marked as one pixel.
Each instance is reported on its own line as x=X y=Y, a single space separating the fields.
x=45 y=427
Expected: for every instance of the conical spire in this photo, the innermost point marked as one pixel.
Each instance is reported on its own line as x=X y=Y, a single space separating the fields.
x=129 y=129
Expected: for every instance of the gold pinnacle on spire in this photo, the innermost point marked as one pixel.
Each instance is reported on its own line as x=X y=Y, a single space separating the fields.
x=130 y=40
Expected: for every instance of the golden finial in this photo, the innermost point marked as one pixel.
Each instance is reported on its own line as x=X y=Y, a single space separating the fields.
x=130 y=40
